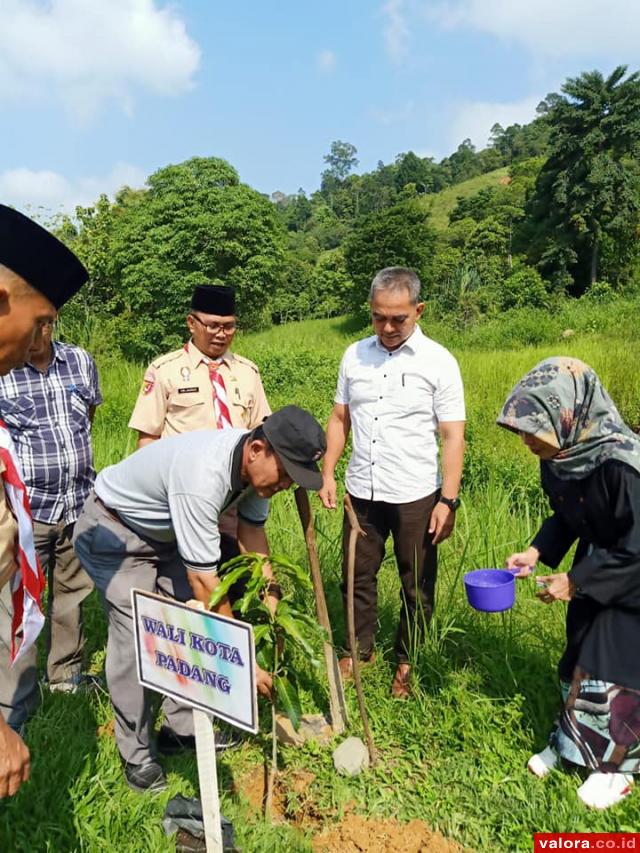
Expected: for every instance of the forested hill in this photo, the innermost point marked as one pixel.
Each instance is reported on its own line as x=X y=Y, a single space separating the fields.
x=546 y=211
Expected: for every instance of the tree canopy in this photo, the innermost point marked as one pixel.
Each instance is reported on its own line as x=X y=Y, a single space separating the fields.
x=195 y=223
x=584 y=213
x=547 y=208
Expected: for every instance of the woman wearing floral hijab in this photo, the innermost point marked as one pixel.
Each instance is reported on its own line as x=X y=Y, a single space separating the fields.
x=590 y=471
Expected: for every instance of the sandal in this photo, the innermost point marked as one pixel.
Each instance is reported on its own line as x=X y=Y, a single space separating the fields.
x=400 y=688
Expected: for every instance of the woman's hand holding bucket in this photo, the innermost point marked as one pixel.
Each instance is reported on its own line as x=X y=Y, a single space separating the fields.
x=524 y=562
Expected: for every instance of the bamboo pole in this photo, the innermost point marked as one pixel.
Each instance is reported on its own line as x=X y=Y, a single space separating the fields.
x=337 y=704
x=356 y=531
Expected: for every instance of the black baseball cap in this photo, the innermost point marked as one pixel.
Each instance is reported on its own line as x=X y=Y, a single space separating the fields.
x=33 y=253
x=299 y=441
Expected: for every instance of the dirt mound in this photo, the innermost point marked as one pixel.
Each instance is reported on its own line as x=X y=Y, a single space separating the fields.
x=253 y=786
x=355 y=834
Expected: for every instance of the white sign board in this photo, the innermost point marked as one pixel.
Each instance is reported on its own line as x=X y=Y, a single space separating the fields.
x=197 y=657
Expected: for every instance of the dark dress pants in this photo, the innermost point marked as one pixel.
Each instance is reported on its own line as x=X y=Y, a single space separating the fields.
x=416 y=556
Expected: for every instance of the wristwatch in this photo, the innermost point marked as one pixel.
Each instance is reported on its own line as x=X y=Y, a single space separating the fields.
x=452 y=503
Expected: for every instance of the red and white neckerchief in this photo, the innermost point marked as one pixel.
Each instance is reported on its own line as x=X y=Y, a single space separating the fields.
x=220 y=401
x=28 y=582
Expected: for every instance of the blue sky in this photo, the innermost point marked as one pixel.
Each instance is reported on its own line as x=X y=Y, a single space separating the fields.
x=98 y=93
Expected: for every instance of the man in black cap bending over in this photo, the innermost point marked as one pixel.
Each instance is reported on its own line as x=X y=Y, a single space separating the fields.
x=38 y=274
x=203 y=385
x=152 y=523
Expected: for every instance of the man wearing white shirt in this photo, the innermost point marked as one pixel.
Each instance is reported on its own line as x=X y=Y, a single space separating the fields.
x=398 y=392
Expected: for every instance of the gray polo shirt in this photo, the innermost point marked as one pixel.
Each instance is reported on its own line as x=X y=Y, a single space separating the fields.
x=176 y=489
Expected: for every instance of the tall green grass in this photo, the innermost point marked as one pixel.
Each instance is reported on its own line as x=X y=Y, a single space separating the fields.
x=441 y=204
x=486 y=689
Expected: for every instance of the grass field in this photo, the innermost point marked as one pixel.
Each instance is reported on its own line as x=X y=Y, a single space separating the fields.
x=441 y=204
x=455 y=754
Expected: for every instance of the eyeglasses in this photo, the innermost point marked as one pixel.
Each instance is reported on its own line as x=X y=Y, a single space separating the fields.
x=214 y=328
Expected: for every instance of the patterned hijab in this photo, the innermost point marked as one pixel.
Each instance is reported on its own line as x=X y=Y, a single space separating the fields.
x=562 y=402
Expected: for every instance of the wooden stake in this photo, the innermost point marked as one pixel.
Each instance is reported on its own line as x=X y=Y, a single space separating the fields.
x=208 y=778
x=337 y=704
x=207 y=772
x=356 y=531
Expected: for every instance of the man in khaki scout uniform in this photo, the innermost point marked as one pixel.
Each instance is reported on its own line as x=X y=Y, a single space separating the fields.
x=38 y=274
x=203 y=385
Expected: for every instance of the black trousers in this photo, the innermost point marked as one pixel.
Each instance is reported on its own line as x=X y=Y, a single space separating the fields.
x=416 y=557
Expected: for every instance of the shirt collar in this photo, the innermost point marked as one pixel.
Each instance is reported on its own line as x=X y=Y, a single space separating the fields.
x=412 y=343
x=58 y=354
x=196 y=356
x=236 y=466
x=58 y=351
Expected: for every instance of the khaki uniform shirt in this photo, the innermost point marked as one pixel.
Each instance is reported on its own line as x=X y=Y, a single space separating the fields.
x=177 y=394
x=8 y=537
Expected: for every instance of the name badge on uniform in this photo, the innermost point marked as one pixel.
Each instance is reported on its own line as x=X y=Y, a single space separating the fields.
x=187 y=390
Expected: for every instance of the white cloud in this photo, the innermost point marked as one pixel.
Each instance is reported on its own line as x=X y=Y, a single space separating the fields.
x=474 y=120
x=396 y=29
x=326 y=61
x=45 y=193
x=552 y=28
x=87 y=53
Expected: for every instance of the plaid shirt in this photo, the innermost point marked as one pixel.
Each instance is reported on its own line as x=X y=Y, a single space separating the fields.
x=48 y=417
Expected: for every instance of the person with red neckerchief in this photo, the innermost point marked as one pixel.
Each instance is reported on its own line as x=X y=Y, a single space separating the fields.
x=38 y=274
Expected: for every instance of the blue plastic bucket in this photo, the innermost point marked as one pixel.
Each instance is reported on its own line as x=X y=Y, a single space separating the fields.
x=490 y=590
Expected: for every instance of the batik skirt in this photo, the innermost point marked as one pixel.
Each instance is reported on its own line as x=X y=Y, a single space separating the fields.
x=599 y=726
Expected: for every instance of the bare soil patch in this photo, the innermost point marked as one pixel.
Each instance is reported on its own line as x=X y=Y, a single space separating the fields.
x=356 y=833
x=108 y=729
x=293 y=802
x=253 y=786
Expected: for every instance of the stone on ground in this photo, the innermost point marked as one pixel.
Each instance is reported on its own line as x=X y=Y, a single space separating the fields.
x=351 y=757
x=312 y=727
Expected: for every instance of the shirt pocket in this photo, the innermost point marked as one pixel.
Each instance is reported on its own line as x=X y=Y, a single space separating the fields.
x=81 y=398
x=244 y=402
x=187 y=412
x=19 y=412
x=413 y=393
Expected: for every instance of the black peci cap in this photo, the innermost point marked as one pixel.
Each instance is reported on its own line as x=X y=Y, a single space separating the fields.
x=30 y=251
x=214 y=299
x=299 y=441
